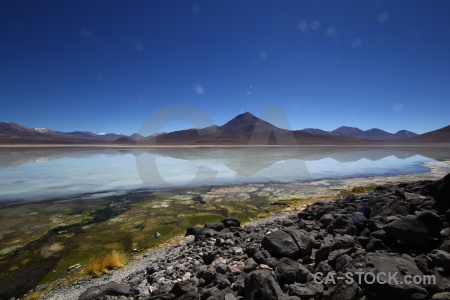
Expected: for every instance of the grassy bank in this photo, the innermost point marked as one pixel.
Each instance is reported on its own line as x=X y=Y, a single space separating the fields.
x=42 y=241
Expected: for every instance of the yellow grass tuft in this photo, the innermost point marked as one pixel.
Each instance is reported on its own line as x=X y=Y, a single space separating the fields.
x=36 y=294
x=358 y=190
x=103 y=263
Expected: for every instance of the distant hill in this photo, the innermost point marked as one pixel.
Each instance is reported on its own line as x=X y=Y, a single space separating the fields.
x=441 y=135
x=12 y=133
x=244 y=129
x=373 y=134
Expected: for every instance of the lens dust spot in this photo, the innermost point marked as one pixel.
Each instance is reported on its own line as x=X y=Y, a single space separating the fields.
x=263 y=55
x=383 y=17
x=397 y=107
x=138 y=46
x=356 y=43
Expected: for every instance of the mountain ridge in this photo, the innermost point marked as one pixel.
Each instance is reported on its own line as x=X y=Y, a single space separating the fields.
x=373 y=134
x=244 y=129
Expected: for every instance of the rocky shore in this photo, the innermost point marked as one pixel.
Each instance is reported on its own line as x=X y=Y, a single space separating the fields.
x=392 y=243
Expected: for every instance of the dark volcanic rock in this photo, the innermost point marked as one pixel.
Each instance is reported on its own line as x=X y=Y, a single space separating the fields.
x=306 y=290
x=108 y=289
x=261 y=256
x=342 y=225
x=415 y=230
x=183 y=288
x=231 y=222
x=282 y=244
x=442 y=259
x=317 y=210
x=215 y=226
x=343 y=291
x=385 y=287
x=301 y=238
x=290 y=271
x=441 y=192
x=322 y=253
x=445 y=246
x=342 y=262
x=250 y=265
x=209 y=292
x=260 y=284
x=375 y=245
x=326 y=219
x=193 y=230
x=441 y=296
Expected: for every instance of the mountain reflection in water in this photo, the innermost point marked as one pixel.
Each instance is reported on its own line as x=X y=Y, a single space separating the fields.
x=42 y=173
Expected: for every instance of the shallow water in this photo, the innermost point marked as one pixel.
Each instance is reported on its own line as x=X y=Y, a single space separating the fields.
x=33 y=174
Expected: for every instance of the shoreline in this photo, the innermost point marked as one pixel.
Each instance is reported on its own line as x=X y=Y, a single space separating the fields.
x=432 y=144
x=381 y=145
x=139 y=266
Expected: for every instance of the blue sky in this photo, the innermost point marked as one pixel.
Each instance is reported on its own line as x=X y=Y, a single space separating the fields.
x=104 y=66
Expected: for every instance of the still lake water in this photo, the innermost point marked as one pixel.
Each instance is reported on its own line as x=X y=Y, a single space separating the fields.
x=31 y=174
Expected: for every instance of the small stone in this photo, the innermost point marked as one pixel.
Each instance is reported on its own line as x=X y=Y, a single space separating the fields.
x=186 y=276
x=265 y=267
x=250 y=265
x=441 y=296
x=442 y=259
x=236 y=267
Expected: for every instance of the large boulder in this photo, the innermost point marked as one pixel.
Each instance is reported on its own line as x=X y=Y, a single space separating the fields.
x=415 y=230
x=282 y=244
x=440 y=190
x=290 y=271
x=401 y=270
x=343 y=242
x=304 y=242
x=342 y=225
x=108 y=289
x=193 y=230
x=215 y=226
x=183 y=288
x=260 y=284
x=317 y=210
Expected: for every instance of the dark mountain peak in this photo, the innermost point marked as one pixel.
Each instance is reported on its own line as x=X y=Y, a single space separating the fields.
x=246 y=117
x=404 y=134
x=246 y=121
x=347 y=130
x=315 y=131
x=242 y=119
x=376 y=130
x=136 y=136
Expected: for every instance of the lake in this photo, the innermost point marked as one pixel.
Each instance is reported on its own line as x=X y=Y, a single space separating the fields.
x=33 y=174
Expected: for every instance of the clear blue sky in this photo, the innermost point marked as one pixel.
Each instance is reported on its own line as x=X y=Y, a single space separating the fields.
x=104 y=66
